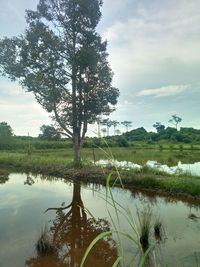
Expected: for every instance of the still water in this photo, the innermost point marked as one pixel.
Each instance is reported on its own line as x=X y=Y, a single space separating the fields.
x=190 y=168
x=25 y=198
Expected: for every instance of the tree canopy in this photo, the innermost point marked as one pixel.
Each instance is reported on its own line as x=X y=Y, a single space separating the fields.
x=63 y=61
x=49 y=133
x=175 y=120
x=5 y=130
x=159 y=127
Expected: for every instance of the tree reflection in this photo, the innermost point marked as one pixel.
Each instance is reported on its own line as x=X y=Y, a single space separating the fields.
x=71 y=232
x=29 y=180
x=4 y=176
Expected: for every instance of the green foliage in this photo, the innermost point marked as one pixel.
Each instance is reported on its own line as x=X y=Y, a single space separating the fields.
x=5 y=130
x=121 y=142
x=175 y=120
x=49 y=133
x=159 y=127
x=6 y=135
x=127 y=124
x=138 y=134
x=62 y=60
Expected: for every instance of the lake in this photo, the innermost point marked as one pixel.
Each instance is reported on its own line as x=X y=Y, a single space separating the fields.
x=78 y=213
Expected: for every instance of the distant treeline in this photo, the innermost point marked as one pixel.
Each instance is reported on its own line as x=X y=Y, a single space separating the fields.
x=168 y=135
x=184 y=135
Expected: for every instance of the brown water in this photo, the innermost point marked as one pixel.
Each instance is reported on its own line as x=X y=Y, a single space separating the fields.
x=24 y=199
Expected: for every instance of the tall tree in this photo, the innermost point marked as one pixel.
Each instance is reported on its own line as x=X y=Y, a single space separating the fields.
x=175 y=120
x=104 y=131
x=63 y=61
x=108 y=124
x=127 y=124
x=49 y=133
x=114 y=124
x=159 y=127
x=99 y=122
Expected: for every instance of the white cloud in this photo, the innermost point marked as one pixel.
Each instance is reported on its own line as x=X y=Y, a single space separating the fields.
x=159 y=38
x=164 y=91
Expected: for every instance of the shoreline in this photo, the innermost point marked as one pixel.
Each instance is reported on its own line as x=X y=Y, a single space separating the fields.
x=147 y=183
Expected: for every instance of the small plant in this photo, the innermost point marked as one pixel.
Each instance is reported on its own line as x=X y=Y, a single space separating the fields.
x=180 y=147
x=158 y=228
x=160 y=147
x=144 y=227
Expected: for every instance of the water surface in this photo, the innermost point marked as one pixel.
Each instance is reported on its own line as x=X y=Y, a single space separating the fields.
x=189 y=168
x=25 y=198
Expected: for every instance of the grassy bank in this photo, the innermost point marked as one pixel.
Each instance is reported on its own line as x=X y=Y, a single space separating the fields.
x=58 y=163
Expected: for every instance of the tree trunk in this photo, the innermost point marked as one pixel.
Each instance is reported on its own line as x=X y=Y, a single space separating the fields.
x=77 y=149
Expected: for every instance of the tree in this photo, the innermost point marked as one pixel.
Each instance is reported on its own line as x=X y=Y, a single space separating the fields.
x=63 y=61
x=49 y=133
x=99 y=121
x=5 y=130
x=175 y=120
x=159 y=127
x=108 y=124
x=104 y=131
x=114 y=124
x=126 y=124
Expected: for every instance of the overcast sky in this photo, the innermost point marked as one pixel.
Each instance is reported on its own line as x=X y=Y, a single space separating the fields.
x=153 y=50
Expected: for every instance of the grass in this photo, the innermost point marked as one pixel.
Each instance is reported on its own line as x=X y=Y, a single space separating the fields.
x=145 y=226
x=140 y=226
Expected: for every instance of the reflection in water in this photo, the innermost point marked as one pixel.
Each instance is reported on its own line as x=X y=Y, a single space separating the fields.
x=22 y=212
x=170 y=166
x=29 y=180
x=4 y=176
x=71 y=233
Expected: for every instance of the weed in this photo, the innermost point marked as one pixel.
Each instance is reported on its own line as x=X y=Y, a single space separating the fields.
x=158 y=228
x=144 y=218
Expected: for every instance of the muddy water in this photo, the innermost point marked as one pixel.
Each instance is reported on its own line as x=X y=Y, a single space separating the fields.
x=24 y=200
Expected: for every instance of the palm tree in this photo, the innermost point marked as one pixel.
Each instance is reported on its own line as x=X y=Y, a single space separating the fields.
x=99 y=122
x=115 y=123
x=104 y=131
x=127 y=124
x=108 y=124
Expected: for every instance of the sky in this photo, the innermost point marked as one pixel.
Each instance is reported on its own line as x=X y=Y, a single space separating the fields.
x=153 y=51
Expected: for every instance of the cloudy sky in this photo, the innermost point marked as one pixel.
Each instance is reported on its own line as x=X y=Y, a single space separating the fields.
x=153 y=50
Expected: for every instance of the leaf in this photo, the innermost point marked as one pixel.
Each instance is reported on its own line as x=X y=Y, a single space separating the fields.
x=100 y=236
x=117 y=261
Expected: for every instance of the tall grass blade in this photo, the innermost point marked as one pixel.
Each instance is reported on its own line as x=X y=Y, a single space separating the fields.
x=146 y=254
x=100 y=236
x=117 y=261
x=108 y=184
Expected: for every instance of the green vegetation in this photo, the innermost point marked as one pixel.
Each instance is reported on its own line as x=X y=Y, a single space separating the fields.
x=49 y=133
